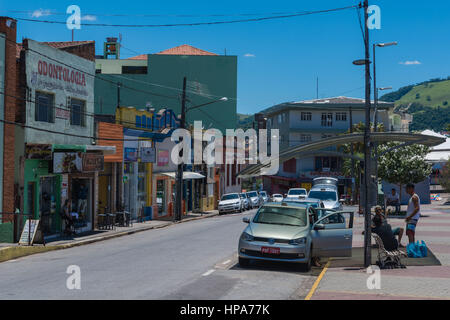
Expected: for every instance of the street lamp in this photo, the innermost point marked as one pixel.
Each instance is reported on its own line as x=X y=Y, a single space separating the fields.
x=179 y=176
x=375 y=96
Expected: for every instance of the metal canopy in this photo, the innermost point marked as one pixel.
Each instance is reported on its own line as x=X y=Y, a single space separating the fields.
x=255 y=169
x=187 y=175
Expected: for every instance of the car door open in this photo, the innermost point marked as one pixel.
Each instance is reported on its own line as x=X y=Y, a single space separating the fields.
x=332 y=235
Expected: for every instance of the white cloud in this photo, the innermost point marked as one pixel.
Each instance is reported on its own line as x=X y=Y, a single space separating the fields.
x=89 y=17
x=249 y=55
x=410 y=63
x=41 y=13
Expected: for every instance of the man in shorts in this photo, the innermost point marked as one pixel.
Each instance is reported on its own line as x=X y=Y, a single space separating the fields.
x=412 y=213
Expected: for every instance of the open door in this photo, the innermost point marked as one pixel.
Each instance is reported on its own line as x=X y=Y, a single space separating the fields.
x=332 y=235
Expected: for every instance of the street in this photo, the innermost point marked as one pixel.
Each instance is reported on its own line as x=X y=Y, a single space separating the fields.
x=193 y=260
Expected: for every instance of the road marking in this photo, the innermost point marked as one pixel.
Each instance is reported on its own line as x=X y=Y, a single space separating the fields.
x=207 y=273
x=316 y=283
x=226 y=262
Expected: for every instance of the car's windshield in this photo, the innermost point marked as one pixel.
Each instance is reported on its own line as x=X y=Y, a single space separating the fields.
x=323 y=195
x=242 y=195
x=277 y=196
x=263 y=193
x=296 y=192
x=252 y=194
x=230 y=196
x=281 y=216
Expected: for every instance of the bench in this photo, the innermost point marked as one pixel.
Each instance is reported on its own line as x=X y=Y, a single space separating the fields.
x=388 y=259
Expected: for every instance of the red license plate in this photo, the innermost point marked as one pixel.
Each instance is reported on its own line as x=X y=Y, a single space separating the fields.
x=269 y=250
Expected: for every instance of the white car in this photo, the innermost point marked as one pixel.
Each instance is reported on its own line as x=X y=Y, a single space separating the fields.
x=276 y=197
x=297 y=193
x=328 y=195
x=230 y=202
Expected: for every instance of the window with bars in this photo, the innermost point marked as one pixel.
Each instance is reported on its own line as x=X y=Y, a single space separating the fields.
x=305 y=138
x=341 y=116
x=77 y=112
x=327 y=119
x=306 y=116
x=45 y=107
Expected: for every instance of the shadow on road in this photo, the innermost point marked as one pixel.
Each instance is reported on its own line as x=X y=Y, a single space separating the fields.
x=274 y=266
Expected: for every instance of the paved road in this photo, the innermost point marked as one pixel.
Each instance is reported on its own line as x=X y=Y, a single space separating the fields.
x=192 y=260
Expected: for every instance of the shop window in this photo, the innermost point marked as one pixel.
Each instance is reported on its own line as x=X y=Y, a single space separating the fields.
x=332 y=164
x=45 y=104
x=77 y=112
x=138 y=121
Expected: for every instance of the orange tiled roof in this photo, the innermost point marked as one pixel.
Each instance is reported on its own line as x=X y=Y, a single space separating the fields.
x=66 y=44
x=183 y=50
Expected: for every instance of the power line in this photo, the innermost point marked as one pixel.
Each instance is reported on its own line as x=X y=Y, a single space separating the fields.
x=285 y=16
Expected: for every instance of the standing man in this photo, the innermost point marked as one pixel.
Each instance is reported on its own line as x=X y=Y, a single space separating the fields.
x=393 y=199
x=412 y=213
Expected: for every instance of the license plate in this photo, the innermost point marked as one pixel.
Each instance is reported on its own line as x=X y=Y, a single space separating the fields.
x=270 y=250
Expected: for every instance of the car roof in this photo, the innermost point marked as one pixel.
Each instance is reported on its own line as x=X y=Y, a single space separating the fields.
x=284 y=205
x=323 y=188
x=297 y=189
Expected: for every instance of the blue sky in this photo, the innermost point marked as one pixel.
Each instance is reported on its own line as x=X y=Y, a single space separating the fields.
x=279 y=60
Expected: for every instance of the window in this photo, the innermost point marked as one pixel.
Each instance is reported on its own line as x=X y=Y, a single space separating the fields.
x=44 y=110
x=134 y=70
x=341 y=116
x=305 y=138
x=77 y=112
x=327 y=119
x=306 y=116
x=326 y=164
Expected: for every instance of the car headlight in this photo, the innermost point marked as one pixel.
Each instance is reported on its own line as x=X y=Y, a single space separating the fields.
x=298 y=241
x=246 y=237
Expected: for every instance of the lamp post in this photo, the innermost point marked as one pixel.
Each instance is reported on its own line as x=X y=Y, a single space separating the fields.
x=179 y=176
x=375 y=95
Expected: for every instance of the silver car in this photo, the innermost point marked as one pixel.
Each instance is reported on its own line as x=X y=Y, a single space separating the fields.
x=255 y=199
x=264 y=196
x=293 y=233
x=328 y=195
x=245 y=201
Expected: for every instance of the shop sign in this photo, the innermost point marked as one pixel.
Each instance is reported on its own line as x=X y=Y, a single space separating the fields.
x=163 y=158
x=148 y=155
x=326 y=174
x=38 y=151
x=131 y=154
x=62 y=113
x=67 y=162
x=93 y=162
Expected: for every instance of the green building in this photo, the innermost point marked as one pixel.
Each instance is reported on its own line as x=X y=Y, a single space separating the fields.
x=155 y=81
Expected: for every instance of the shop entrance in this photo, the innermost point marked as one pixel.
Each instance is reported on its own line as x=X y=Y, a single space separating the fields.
x=81 y=196
x=50 y=221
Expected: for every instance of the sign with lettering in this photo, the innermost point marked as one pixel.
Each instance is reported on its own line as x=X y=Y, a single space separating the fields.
x=67 y=162
x=163 y=158
x=148 y=155
x=92 y=162
x=31 y=233
x=38 y=151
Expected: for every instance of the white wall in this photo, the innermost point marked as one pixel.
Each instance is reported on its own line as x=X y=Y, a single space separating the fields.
x=62 y=89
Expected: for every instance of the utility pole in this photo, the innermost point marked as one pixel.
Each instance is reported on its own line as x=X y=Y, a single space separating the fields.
x=118 y=94
x=367 y=149
x=353 y=160
x=375 y=119
x=179 y=180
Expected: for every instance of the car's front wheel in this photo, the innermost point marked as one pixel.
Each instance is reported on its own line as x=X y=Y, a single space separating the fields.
x=243 y=262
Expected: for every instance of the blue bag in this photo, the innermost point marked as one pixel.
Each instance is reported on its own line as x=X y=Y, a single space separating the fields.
x=423 y=248
x=413 y=251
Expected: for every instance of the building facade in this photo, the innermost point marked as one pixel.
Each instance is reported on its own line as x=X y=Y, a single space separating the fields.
x=308 y=121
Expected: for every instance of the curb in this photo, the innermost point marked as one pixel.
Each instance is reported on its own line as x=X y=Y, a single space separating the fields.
x=108 y=237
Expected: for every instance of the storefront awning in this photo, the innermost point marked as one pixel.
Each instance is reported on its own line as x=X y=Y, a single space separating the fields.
x=106 y=150
x=69 y=147
x=187 y=175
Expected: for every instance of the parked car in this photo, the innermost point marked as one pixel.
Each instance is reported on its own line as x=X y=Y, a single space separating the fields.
x=254 y=198
x=297 y=193
x=245 y=201
x=328 y=194
x=276 y=197
x=264 y=196
x=230 y=202
x=290 y=232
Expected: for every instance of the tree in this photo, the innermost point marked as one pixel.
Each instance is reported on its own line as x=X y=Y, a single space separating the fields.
x=444 y=180
x=403 y=165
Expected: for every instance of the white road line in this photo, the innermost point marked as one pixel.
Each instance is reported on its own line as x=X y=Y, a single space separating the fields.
x=207 y=273
x=226 y=262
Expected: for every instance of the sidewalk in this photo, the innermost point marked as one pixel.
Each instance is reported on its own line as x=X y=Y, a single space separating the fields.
x=101 y=235
x=415 y=282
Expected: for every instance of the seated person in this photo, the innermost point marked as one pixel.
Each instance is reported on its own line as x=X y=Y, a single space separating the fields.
x=393 y=199
x=384 y=231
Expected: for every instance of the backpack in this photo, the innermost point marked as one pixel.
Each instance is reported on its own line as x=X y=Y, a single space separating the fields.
x=417 y=250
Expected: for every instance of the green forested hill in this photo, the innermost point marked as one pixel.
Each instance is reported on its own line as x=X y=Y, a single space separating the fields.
x=428 y=102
